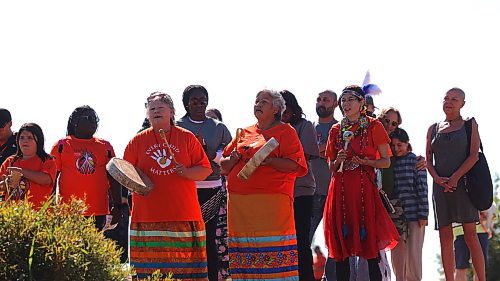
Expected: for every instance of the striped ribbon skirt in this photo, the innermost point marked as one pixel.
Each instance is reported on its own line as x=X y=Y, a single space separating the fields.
x=262 y=241
x=171 y=247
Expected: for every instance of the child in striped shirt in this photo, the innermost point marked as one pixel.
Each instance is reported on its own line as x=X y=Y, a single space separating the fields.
x=410 y=185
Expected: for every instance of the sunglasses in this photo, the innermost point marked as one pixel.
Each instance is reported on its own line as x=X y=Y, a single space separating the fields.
x=393 y=123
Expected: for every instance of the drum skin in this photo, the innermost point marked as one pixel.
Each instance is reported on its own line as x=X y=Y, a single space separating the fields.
x=257 y=159
x=129 y=176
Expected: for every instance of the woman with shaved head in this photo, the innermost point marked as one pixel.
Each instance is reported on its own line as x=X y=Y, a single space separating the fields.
x=449 y=161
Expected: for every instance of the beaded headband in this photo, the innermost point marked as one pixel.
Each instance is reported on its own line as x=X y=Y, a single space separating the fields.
x=356 y=94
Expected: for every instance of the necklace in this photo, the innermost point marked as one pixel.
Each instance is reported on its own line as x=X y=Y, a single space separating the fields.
x=347 y=125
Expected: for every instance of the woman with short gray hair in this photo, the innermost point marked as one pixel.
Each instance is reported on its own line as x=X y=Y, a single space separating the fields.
x=277 y=100
x=262 y=240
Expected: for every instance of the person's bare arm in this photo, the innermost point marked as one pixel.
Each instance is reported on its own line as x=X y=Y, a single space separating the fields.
x=442 y=181
x=35 y=176
x=195 y=173
x=284 y=165
x=227 y=163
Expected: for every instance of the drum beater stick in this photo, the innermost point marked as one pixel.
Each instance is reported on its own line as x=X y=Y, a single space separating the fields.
x=162 y=134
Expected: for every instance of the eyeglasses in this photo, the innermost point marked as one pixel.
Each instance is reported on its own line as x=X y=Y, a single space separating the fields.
x=90 y=118
x=393 y=123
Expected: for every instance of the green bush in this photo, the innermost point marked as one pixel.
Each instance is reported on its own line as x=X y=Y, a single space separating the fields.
x=55 y=243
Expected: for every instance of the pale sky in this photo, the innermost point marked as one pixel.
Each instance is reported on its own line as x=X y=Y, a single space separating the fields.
x=57 y=55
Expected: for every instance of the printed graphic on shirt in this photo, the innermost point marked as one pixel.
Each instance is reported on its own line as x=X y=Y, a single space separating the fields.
x=161 y=154
x=162 y=158
x=85 y=162
x=20 y=191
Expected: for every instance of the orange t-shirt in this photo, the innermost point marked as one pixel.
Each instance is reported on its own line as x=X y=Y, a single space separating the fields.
x=36 y=193
x=82 y=164
x=266 y=179
x=173 y=197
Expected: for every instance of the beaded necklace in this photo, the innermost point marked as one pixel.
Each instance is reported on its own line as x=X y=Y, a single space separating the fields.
x=362 y=132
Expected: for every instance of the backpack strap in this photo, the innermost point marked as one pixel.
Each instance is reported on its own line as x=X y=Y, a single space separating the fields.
x=468 y=131
x=434 y=130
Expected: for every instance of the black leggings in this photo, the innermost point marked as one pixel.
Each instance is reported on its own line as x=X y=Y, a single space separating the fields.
x=344 y=273
x=204 y=194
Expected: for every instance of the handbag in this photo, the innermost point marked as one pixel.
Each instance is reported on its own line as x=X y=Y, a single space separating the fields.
x=387 y=202
x=383 y=196
x=478 y=181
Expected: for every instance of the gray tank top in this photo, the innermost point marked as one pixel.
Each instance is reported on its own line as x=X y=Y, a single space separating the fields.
x=450 y=151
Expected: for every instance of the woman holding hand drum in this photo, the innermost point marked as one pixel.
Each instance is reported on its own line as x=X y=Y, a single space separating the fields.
x=167 y=230
x=262 y=240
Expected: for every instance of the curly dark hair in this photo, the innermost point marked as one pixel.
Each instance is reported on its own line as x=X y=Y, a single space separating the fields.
x=75 y=116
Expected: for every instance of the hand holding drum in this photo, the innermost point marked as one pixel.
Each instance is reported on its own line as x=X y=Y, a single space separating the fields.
x=258 y=158
x=347 y=136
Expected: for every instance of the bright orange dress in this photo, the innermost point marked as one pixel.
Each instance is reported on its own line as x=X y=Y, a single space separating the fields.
x=262 y=240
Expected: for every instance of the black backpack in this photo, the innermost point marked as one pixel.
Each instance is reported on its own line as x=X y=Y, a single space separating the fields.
x=478 y=181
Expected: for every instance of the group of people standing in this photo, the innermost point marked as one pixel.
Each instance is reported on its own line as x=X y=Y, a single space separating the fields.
x=203 y=220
